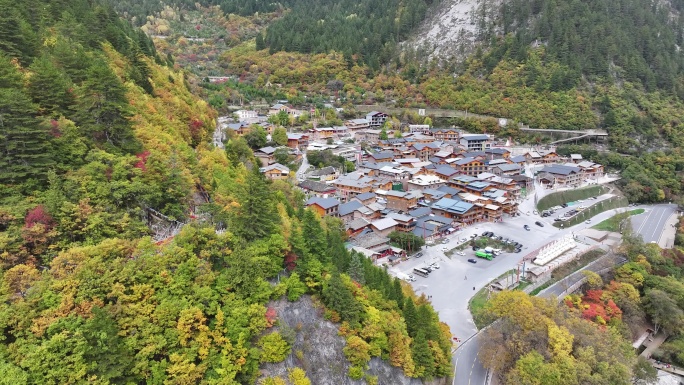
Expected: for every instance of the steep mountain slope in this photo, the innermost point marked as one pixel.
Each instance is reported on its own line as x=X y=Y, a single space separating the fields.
x=582 y=35
x=98 y=137
x=451 y=30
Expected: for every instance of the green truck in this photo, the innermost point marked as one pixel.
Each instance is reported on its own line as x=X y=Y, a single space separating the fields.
x=483 y=254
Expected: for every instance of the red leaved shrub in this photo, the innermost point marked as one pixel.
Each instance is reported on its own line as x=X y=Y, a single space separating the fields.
x=39 y=215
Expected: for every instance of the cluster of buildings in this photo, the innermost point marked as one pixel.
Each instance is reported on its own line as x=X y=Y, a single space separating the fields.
x=428 y=182
x=429 y=188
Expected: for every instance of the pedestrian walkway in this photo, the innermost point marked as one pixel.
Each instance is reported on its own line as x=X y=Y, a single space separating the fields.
x=652 y=343
x=667 y=368
x=667 y=238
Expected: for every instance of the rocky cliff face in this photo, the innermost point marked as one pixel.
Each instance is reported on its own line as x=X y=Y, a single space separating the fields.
x=317 y=349
x=452 y=28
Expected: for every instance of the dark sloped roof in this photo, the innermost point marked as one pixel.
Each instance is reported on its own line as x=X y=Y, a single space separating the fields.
x=383 y=155
x=316 y=186
x=349 y=207
x=420 y=212
x=365 y=196
x=325 y=203
x=475 y=137
x=448 y=190
x=500 y=151
x=324 y=171
x=508 y=166
x=518 y=159
x=560 y=169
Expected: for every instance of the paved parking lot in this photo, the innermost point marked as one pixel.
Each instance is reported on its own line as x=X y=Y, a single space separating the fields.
x=454 y=283
x=586 y=203
x=451 y=286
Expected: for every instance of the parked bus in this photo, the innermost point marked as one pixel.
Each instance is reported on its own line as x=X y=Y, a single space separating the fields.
x=421 y=272
x=482 y=254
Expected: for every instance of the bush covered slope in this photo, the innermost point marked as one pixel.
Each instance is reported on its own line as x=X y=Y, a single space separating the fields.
x=94 y=131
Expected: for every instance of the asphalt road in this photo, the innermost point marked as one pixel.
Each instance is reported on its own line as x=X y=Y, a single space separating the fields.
x=561 y=286
x=468 y=369
x=457 y=280
x=651 y=223
x=301 y=172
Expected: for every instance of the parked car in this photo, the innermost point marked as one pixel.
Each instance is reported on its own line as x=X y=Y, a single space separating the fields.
x=418 y=255
x=445 y=241
x=539 y=224
x=434 y=265
x=475 y=248
x=587 y=221
x=526 y=227
x=472 y=260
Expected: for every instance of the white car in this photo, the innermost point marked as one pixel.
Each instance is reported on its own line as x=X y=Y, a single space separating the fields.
x=434 y=265
x=460 y=253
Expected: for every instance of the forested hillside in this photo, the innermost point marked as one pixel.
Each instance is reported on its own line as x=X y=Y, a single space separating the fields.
x=619 y=40
x=95 y=132
x=365 y=30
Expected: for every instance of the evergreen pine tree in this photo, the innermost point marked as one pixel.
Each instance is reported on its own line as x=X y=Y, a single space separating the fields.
x=314 y=237
x=17 y=38
x=422 y=356
x=10 y=77
x=397 y=292
x=24 y=148
x=102 y=111
x=355 y=270
x=426 y=321
x=336 y=252
x=340 y=299
x=50 y=88
x=410 y=317
x=73 y=58
x=260 y=42
x=257 y=216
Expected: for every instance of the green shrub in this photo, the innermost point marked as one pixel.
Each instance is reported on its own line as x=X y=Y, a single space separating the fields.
x=355 y=372
x=371 y=380
x=298 y=377
x=273 y=348
x=295 y=287
x=357 y=350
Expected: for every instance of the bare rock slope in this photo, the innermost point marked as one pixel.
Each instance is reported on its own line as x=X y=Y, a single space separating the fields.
x=451 y=29
x=317 y=349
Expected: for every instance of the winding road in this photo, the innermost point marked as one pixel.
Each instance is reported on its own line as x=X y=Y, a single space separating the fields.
x=651 y=223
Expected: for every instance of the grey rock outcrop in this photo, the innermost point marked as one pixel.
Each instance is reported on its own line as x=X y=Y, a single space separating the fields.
x=317 y=349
